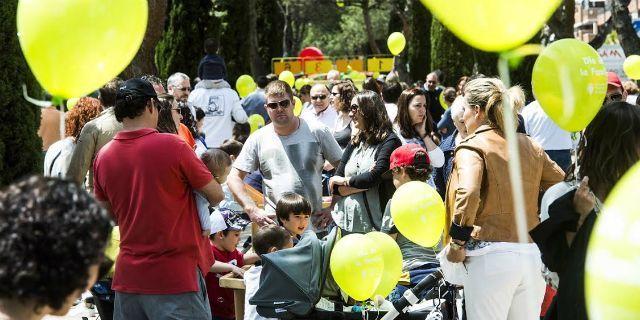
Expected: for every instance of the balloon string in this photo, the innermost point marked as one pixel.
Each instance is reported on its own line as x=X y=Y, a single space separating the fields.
x=60 y=103
x=515 y=172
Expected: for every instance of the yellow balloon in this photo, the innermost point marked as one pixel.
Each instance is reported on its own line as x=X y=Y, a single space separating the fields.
x=493 y=25
x=297 y=107
x=358 y=78
x=113 y=247
x=357 y=265
x=75 y=46
x=256 y=122
x=442 y=102
x=631 y=66
x=392 y=257
x=287 y=77
x=299 y=83
x=396 y=43
x=569 y=81
x=612 y=269
x=245 y=85
x=71 y=103
x=418 y=213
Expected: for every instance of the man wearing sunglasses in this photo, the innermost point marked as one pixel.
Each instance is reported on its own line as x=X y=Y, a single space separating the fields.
x=290 y=153
x=319 y=109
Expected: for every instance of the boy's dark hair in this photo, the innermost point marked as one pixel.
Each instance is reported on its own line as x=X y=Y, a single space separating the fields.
x=291 y=202
x=417 y=174
x=241 y=132
x=306 y=89
x=391 y=91
x=211 y=46
x=216 y=161
x=51 y=232
x=199 y=114
x=262 y=82
x=270 y=236
x=231 y=147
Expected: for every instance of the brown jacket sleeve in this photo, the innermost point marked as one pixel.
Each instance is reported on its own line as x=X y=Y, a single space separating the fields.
x=470 y=168
x=551 y=173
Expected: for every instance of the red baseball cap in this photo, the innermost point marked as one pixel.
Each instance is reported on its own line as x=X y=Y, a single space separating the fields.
x=613 y=79
x=410 y=155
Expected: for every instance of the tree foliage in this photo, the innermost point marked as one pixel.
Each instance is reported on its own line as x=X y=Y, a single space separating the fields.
x=20 y=146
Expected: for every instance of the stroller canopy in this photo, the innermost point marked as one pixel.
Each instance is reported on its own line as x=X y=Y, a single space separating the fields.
x=292 y=280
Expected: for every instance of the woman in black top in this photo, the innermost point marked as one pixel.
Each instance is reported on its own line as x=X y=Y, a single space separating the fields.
x=341 y=95
x=609 y=147
x=359 y=180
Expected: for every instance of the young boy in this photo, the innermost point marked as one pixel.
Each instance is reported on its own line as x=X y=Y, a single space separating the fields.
x=266 y=240
x=228 y=259
x=409 y=162
x=293 y=213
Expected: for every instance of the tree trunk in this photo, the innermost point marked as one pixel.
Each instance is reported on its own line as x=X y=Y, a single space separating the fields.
x=419 y=43
x=622 y=24
x=560 y=25
x=20 y=146
x=369 y=28
x=398 y=23
x=270 y=35
x=603 y=32
x=144 y=61
x=257 y=66
x=285 y=28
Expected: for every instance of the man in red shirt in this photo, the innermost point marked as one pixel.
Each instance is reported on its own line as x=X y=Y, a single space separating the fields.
x=146 y=179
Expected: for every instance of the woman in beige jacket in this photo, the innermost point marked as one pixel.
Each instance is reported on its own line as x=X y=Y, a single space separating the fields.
x=504 y=279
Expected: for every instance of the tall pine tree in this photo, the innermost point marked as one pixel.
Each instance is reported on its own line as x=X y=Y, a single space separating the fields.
x=20 y=146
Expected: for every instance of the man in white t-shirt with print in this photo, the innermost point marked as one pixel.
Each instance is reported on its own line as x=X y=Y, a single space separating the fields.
x=290 y=153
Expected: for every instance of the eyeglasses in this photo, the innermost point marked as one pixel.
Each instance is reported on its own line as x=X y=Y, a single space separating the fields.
x=183 y=88
x=176 y=109
x=354 y=108
x=615 y=96
x=283 y=104
x=320 y=97
x=333 y=94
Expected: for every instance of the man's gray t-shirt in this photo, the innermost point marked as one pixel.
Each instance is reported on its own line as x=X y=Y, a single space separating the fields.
x=290 y=163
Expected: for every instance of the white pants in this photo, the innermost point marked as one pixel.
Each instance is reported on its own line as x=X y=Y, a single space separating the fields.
x=504 y=285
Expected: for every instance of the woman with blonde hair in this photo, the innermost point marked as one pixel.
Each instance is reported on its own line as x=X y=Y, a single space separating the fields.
x=504 y=279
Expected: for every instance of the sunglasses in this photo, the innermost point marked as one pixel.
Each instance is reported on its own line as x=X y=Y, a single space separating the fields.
x=320 y=97
x=333 y=94
x=283 y=104
x=354 y=108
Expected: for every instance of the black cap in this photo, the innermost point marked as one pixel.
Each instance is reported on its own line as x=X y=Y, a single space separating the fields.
x=136 y=88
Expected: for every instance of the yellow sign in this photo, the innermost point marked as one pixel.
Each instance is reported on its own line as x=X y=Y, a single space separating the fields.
x=292 y=65
x=317 y=66
x=380 y=64
x=356 y=64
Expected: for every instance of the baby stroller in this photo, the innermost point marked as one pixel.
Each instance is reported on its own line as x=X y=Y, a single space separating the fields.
x=293 y=281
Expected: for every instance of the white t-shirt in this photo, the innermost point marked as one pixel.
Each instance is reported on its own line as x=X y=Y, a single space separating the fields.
x=543 y=130
x=328 y=117
x=392 y=111
x=290 y=163
x=222 y=109
x=58 y=158
x=251 y=284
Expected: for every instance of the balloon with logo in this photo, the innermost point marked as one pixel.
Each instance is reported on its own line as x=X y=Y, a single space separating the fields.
x=287 y=77
x=569 y=81
x=631 y=66
x=245 y=85
x=357 y=265
x=75 y=46
x=256 y=122
x=297 y=106
x=418 y=213
x=396 y=43
x=392 y=262
x=493 y=25
x=612 y=269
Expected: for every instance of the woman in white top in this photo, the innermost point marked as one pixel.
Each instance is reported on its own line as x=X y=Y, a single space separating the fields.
x=415 y=125
x=58 y=156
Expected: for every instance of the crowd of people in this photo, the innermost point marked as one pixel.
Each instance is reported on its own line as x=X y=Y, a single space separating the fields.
x=173 y=169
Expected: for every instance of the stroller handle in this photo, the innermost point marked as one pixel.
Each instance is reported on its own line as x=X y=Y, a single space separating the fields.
x=410 y=297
